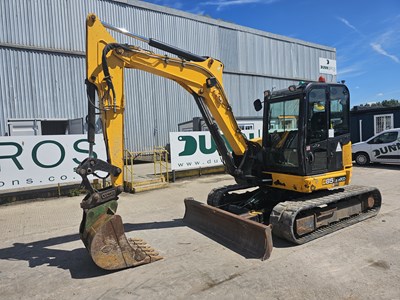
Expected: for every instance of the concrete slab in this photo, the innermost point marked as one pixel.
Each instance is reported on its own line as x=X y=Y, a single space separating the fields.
x=41 y=256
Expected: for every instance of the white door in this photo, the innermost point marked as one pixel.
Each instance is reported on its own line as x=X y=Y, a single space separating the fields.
x=75 y=126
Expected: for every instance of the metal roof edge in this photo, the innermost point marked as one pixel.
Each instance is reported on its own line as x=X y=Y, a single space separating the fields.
x=223 y=24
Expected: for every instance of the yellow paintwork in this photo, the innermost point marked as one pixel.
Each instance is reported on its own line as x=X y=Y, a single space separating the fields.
x=347 y=159
x=308 y=184
x=191 y=76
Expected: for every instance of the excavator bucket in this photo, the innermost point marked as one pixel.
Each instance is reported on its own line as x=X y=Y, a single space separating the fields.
x=102 y=232
x=246 y=237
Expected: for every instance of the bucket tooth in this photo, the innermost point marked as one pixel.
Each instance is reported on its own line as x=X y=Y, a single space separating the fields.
x=246 y=237
x=102 y=232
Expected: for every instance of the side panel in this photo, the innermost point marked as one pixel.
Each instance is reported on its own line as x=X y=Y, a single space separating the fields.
x=308 y=184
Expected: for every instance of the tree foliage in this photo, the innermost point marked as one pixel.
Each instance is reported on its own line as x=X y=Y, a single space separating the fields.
x=384 y=103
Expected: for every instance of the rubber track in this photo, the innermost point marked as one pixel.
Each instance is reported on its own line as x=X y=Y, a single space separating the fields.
x=284 y=214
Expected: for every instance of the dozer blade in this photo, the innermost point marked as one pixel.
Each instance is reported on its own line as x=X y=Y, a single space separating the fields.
x=246 y=237
x=102 y=232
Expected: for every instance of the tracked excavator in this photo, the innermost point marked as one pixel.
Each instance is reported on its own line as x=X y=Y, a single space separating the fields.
x=293 y=182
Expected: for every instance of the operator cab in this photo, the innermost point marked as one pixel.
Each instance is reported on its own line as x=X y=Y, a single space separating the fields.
x=305 y=128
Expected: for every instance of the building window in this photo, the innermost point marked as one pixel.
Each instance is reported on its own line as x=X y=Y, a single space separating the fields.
x=383 y=122
x=246 y=126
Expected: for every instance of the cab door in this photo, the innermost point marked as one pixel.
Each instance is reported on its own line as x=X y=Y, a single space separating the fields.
x=316 y=148
x=338 y=131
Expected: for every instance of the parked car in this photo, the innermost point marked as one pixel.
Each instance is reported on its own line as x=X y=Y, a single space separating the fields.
x=381 y=148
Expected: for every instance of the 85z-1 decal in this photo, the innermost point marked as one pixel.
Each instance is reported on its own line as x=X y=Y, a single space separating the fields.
x=333 y=180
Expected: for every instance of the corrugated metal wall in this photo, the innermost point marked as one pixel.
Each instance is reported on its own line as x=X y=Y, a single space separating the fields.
x=40 y=84
x=43 y=69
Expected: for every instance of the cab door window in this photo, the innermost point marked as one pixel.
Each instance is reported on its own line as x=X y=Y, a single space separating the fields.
x=339 y=107
x=316 y=120
x=282 y=140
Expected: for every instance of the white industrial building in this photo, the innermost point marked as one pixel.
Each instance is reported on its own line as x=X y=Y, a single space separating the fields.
x=42 y=66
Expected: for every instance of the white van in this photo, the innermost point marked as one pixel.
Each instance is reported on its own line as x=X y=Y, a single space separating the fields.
x=382 y=148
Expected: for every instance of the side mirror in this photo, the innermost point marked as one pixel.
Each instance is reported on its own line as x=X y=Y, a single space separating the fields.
x=257 y=105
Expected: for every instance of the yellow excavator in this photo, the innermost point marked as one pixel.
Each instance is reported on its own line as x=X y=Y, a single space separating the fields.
x=293 y=182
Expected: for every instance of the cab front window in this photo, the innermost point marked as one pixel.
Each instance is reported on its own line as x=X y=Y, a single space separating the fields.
x=283 y=133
